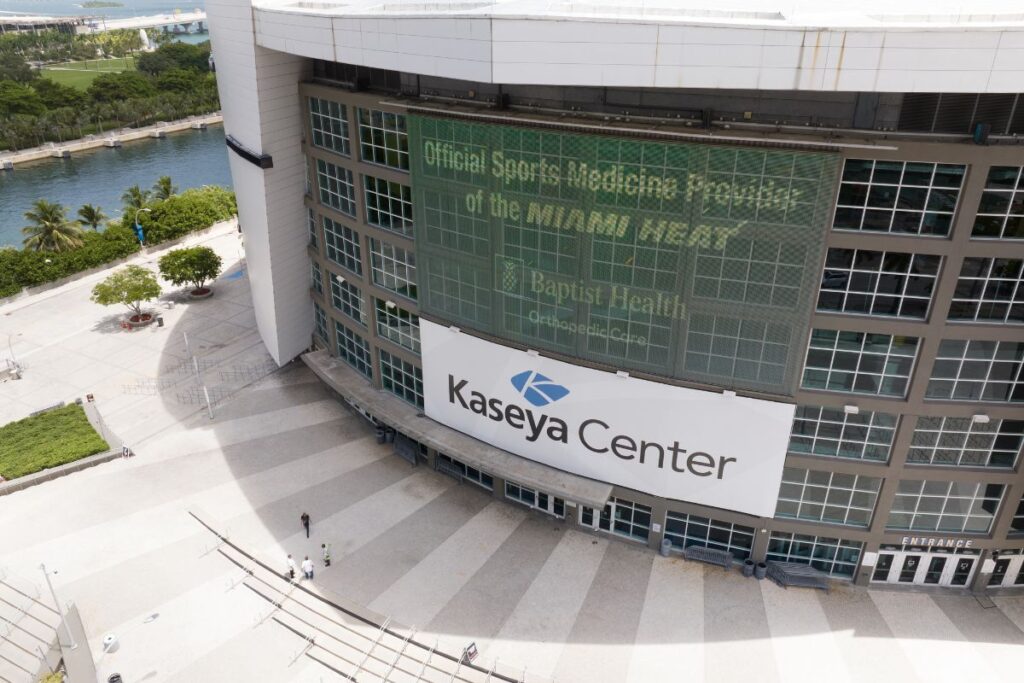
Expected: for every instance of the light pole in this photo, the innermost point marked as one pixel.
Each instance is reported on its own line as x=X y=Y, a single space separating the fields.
x=138 y=228
x=60 y=610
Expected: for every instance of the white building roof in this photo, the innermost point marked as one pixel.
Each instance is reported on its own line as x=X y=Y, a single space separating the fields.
x=825 y=45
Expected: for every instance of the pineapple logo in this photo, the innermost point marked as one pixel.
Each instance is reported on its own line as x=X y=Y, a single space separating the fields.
x=510 y=275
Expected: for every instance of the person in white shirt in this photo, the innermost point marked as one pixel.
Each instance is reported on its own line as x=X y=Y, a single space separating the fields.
x=307 y=567
x=326 y=552
x=291 y=567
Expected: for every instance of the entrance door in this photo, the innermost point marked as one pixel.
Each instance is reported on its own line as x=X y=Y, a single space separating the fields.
x=924 y=569
x=908 y=570
x=1009 y=571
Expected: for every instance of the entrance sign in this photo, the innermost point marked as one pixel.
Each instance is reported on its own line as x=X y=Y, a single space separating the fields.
x=722 y=451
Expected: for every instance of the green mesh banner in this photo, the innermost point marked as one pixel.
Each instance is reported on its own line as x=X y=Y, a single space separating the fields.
x=687 y=260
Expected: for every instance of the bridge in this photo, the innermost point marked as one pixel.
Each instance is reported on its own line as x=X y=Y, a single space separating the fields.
x=183 y=19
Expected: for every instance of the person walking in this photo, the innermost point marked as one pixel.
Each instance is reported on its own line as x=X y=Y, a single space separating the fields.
x=305 y=522
x=291 y=567
x=307 y=567
x=325 y=550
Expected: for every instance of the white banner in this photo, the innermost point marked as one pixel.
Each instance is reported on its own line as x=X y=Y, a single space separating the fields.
x=698 y=446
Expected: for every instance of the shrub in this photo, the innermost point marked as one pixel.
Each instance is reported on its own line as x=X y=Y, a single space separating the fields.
x=53 y=438
x=19 y=268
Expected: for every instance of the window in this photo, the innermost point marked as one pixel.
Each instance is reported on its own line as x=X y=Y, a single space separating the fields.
x=989 y=290
x=382 y=138
x=957 y=507
x=1017 y=522
x=393 y=268
x=897 y=196
x=388 y=205
x=481 y=479
x=1001 y=210
x=311 y=224
x=827 y=496
x=552 y=505
x=978 y=370
x=686 y=530
x=878 y=283
x=626 y=518
x=319 y=321
x=963 y=442
x=721 y=346
x=401 y=378
x=766 y=272
x=835 y=433
x=354 y=350
x=398 y=325
x=833 y=556
x=859 y=362
x=336 y=188
x=329 y=124
x=347 y=298
x=316 y=278
x=342 y=246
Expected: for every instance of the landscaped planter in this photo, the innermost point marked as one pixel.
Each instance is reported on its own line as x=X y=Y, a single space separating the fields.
x=201 y=293
x=140 y=320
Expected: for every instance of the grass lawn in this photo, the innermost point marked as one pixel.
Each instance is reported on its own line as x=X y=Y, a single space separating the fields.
x=81 y=74
x=47 y=440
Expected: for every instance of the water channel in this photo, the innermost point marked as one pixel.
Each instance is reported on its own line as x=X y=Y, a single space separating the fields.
x=100 y=176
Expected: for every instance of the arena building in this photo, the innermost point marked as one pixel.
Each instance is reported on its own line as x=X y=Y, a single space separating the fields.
x=702 y=273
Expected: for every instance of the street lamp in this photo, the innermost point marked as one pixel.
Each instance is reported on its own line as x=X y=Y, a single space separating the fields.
x=138 y=228
x=60 y=610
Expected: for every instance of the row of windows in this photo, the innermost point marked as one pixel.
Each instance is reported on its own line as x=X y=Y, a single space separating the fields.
x=881 y=364
x=919 y=505
x=920 y=198
x=942 y=441
x=861 y=281
x=388 y=204
x=391 y=267
x=382 y=135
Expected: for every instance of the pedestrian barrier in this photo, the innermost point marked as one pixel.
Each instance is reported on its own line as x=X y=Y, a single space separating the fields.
x=788 y=574
x=723 y=558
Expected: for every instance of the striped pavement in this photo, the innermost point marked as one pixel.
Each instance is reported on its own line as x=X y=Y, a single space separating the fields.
x=537 y=595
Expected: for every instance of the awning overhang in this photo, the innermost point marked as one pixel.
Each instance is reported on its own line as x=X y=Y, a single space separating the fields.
x=396 y=413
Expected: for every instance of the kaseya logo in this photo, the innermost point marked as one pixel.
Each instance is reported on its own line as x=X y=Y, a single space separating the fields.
x=538 y=389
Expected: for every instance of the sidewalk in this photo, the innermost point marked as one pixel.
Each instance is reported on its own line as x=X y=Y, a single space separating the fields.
x=70 y=347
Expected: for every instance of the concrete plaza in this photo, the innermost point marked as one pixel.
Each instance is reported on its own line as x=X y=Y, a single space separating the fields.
x=535 y=593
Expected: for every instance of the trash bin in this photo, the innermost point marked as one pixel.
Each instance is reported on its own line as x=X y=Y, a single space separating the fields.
x=760 y=570
x=666 y=547
x=748 y=568
x=159 y=321
x=380 y=433
x=114 y=678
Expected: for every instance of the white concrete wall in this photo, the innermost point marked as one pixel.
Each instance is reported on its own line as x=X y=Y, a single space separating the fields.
x=259 y=96
x=550 y=50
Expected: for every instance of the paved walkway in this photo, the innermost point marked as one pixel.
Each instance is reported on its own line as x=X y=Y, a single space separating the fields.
x=533 y=593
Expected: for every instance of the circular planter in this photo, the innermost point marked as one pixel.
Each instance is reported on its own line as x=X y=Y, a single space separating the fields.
x=143 y=320
x=201 y=293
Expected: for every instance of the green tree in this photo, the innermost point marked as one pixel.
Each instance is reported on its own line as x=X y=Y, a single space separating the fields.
x=55 y=95
x=50 y=229
x=176 y=56
x=135 y=198
x=131 y=286
x=119 y=87
x=195 y=266
x=16 y=98
x=14 y=67
x=92 y=216
x=179 y=80
x=163 y=189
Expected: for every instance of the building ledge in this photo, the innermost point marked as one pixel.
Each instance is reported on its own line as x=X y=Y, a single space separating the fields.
x=396 y=413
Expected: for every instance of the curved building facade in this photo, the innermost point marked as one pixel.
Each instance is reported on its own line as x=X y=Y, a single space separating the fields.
x=676 y=276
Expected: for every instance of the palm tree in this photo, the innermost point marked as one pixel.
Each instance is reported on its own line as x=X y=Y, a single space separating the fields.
x=92 y=216
x=135 y=198
x=163 y=189
x=50 y=230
